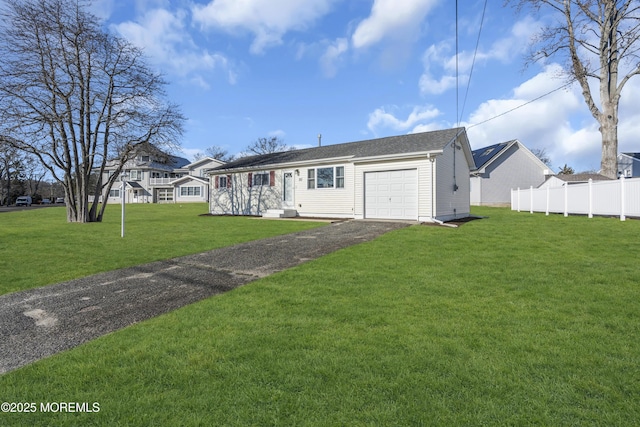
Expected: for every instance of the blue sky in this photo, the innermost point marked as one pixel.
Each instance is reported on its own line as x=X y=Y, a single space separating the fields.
x=360 y=69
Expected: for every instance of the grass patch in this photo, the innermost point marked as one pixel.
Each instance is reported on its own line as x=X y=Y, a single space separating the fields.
x=515 y=319
x=38 y=247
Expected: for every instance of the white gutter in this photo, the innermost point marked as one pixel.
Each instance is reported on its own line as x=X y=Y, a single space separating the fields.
x=397 y=156
x=280 y=165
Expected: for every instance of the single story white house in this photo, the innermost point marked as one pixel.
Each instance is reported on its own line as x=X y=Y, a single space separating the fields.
x=578 y=178
x=420 y=177
x=501 y=168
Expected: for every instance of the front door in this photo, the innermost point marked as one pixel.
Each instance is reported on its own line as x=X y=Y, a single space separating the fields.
x=287 y=190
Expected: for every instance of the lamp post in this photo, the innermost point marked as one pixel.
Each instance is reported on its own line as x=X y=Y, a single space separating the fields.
x=123 y=176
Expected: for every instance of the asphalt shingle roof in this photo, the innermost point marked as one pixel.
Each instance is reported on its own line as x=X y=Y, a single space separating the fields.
x=482 y=156
x=581 y=177
x=412 y=143
x=173 y=162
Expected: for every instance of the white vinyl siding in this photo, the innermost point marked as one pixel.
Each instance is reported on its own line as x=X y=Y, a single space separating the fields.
x=329 y=202
x=240 y=199
x=513 y=169
x=452 y=202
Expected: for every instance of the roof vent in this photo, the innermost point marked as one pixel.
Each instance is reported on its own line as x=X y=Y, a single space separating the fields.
x=319 y=140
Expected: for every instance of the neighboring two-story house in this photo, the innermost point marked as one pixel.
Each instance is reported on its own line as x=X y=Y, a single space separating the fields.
x=157 y=177
x=502 y=167
x=629 y=165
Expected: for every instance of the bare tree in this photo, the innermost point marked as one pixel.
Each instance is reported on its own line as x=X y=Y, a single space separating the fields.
x=34 y=174
x=599 y=42
x=77 y=97
x=215 y=152
x=541 y=154
x=11 y=165
x=272 y=144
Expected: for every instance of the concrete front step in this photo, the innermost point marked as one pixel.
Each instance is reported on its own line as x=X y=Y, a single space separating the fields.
x=280 y=213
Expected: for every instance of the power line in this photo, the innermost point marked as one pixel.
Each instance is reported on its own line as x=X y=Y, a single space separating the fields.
x=475 y=53
x=458 y=112
x=457 y=74
x=522 y=105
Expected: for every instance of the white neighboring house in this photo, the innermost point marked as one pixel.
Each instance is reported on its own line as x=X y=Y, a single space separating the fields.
x=629 y=165
x=502 y=167
x=578 y=178
x=162 y=178
x=419 y=177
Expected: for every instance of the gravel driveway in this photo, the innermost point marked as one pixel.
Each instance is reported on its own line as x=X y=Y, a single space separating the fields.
x=40 y=322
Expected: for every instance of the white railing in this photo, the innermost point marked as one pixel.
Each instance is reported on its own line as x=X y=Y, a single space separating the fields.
x=611 y=198
x=160 y=181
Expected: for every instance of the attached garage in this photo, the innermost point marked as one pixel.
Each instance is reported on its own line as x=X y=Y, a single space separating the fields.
x=391 y=194
x=414 y=177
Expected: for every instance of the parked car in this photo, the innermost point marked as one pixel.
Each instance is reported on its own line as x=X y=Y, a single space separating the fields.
x=23 y=201
x=46 y=201
x=60 y=200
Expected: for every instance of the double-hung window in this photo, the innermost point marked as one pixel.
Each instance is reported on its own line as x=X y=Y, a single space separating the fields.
x=339 y=176
x=190 y=191
x=328 y=177
x=311 y=179
x=136 y=175
x=222 y=182
x=261 y=178
x=114 y=192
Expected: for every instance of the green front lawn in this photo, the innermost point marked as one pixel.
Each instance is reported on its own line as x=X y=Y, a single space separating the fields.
x=38 y=247
x=515 y=319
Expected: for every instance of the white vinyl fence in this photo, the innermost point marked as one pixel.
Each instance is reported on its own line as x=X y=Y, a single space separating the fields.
x=611 y=198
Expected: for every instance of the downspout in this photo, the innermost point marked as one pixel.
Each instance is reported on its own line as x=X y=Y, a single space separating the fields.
x=433 y=217
x=433 y=189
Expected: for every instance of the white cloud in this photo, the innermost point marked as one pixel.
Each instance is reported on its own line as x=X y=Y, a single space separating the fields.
x=382 y=120
x=439 y=58
x=435 y=54
x=391 y=18
x=558 y=122
x=268 y=21
x=165 y=39
x=429 y=85
x=332 y=56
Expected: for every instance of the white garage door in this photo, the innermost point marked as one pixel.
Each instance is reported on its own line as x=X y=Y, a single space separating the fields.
x=391 y=194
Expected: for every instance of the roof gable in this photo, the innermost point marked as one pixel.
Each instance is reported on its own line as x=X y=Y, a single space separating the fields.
x=433 y=141
x=635 y=156
x=188 y=178
x=204 y=161
x=483 y=156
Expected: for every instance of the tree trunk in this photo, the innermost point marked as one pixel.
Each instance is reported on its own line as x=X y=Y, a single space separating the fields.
x=609 y=131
